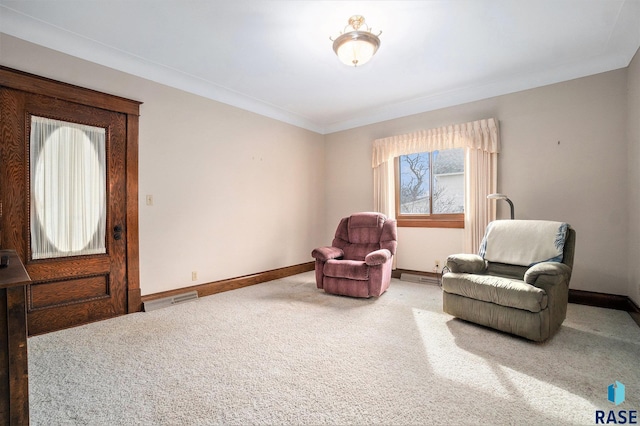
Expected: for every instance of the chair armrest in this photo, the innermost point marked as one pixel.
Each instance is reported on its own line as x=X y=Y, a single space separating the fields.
x=556 y=271
x=326 y=253
x=466 y=263
x=377 y=257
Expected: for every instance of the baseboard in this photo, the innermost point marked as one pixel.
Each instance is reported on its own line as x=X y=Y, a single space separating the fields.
x=604 y=300
x=601 y=300
x=235 y=283
x=580 y=297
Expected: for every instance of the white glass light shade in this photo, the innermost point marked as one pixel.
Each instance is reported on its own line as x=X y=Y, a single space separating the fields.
x=356 y=48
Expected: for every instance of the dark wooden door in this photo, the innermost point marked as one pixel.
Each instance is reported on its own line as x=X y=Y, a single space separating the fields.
x=75 y=289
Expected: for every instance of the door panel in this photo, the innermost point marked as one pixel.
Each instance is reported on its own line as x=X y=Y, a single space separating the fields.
x=66 y=291
x=60 y=293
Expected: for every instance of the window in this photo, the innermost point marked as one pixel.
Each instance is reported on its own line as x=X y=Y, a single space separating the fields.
x=430 y=189
x=68 y=189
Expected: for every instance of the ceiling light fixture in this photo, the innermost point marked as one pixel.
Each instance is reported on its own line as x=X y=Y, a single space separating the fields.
x=356 y=47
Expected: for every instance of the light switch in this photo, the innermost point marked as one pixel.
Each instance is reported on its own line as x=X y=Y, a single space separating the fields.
x=149 y=200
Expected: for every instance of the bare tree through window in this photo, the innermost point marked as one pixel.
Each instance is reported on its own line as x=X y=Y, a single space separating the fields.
x=414 y=183
x=432 y=182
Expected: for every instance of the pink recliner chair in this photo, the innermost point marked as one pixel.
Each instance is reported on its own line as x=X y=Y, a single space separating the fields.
x=359 y=261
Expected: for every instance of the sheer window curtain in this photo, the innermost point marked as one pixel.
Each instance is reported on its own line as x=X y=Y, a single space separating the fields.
x=384 y=189
x=480 y=140
x=68 y=189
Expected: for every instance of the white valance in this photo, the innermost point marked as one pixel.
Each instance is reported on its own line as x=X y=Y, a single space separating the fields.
x=481 y=135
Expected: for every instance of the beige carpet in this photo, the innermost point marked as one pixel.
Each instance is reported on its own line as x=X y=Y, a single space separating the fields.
x=285 y=352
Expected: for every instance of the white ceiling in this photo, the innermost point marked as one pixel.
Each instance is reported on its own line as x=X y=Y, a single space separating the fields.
x=275 y=57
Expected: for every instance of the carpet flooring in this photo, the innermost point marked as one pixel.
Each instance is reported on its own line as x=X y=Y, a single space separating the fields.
x=286 y=353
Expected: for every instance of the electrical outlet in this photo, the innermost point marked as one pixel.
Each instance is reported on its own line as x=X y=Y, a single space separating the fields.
x=438 y=264
x=194 y=275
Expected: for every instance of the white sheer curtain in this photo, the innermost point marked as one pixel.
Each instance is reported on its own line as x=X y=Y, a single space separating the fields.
x=481 y=179
x=480 y=140
x=68 y=189
x=384 y=189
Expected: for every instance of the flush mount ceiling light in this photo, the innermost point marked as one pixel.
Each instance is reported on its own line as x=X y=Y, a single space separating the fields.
x=357 y=46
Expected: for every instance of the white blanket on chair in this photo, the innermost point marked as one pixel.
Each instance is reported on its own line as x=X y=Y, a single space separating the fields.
x=524 y=242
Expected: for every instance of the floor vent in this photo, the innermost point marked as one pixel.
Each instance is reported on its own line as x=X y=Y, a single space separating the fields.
x=415 y=278
x=152 y=305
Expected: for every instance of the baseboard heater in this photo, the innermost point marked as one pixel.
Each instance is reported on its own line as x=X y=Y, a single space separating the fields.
x=152 y=305
x=415 y=278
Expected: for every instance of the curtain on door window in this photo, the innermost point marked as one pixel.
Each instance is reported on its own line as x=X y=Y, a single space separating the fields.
x=67 y=189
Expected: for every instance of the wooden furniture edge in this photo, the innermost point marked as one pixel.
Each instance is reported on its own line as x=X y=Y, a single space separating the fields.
x=207 y=289
x=14 y=375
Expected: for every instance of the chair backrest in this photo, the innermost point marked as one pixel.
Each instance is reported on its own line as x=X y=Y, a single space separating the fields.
x=508 y=269
x=524 y=242
x=362 y=233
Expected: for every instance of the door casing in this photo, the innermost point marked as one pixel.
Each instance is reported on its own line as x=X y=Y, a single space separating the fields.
x=18 y=80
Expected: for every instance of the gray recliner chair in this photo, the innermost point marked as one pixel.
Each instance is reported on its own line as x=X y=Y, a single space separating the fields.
x=519 y=281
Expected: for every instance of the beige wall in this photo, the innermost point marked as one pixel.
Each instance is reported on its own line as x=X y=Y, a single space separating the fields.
x=234 y=193
x=583 y=180
x=634 y=178
x=223 y=179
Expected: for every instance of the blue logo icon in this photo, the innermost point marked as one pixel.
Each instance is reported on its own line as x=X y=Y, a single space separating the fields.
x=616 y=393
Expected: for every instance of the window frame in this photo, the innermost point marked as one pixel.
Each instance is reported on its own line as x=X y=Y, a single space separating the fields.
x=447 y=220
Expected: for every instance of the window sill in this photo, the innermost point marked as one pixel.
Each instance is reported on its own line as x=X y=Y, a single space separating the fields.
x=423 y=222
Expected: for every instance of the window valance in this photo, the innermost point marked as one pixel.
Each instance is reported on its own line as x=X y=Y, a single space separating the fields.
x=481 y=135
